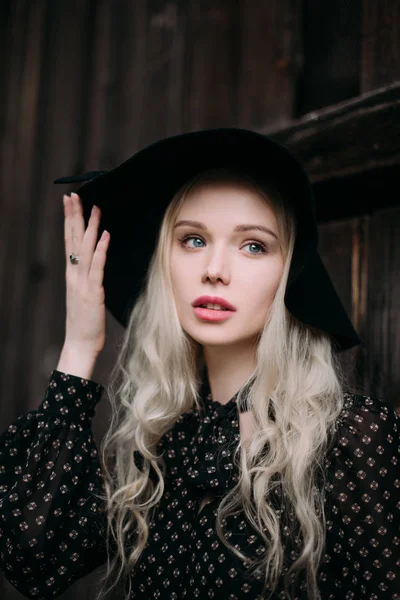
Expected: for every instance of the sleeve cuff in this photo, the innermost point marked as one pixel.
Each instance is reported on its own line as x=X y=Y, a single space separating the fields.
x=70 y=397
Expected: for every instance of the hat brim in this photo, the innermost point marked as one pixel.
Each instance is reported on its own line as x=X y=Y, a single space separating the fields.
x=313 y=296
x=142 y=186
x=133 y=198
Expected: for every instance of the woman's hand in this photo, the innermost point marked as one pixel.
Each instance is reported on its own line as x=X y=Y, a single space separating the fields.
x=85 y=318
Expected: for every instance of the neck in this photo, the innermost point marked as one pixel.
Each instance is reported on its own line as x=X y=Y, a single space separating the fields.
x=228 y=368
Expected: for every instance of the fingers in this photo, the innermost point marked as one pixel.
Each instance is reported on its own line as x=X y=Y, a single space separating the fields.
x=81 y=242
x=96 y=273
x=88 y=244
x=77 y=222
x=67 y=226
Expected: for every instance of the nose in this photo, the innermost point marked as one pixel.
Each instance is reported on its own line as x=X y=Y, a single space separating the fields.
x=216 y=267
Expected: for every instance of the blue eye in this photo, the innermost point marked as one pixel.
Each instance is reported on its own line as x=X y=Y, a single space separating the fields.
x=183 y=243
x=189 y=237
x=263 y=249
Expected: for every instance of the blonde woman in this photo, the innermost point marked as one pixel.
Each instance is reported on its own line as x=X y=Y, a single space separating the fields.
x=237 y=464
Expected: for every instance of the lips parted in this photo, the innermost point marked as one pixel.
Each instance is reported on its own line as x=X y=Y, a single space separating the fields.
x=213 y=306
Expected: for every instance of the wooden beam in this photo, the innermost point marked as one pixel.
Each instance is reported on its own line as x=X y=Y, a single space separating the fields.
x=351 y=137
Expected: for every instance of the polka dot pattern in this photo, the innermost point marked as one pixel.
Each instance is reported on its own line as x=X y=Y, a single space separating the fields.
x=52 y=530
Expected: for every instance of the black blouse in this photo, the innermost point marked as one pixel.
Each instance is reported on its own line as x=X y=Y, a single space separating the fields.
x=52 y=532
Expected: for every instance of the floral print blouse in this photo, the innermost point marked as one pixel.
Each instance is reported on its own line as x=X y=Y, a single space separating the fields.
x=52 y=531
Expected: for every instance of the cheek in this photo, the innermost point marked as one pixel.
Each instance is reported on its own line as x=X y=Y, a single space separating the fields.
x=174 y=268
x=180 y=275
x=263 y=287
x=275 y=278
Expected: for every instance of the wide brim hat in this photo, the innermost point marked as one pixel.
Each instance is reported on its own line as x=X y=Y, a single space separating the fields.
x=134 y=196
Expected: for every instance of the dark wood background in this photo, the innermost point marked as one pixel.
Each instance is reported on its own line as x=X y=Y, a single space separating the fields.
x=87 y=83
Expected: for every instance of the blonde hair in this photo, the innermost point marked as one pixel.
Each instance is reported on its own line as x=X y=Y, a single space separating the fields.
x=296 y=394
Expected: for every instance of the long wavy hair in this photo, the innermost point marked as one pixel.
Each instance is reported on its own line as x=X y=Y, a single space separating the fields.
x=296 y=394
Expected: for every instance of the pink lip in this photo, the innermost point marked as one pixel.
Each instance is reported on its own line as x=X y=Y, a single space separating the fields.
x=213 y=300
x=208 y=314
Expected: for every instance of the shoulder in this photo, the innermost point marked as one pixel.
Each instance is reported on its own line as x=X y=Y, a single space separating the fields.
x=358 y=408
x=368 y=419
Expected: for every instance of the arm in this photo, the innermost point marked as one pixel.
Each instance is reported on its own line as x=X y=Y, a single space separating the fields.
x=363 y=527
x=51 y=528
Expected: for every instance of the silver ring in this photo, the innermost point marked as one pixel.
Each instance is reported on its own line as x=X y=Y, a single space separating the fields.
x=74 y=259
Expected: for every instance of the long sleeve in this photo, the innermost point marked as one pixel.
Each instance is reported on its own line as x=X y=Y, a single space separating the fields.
x=52 y=531
x=363 y=530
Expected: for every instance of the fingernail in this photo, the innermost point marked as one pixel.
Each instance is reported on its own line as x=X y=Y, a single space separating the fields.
x=94 y=209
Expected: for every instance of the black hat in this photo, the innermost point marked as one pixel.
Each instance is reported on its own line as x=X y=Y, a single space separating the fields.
x=134 y=196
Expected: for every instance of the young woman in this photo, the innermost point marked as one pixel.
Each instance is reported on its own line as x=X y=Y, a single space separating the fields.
x=237 y=464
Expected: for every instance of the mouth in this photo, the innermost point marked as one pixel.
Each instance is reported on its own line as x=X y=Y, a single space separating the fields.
x=213 y=303
x=212 y=314
x=212 y=307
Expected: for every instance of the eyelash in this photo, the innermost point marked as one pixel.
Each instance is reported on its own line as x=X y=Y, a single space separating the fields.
x=188 y=237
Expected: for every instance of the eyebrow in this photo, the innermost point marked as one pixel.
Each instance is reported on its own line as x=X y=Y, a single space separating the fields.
x=200 y=225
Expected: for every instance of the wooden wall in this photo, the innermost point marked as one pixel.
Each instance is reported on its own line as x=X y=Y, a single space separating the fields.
x=85 y=83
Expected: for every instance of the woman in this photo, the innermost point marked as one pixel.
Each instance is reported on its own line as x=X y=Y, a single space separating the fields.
x=236 y=462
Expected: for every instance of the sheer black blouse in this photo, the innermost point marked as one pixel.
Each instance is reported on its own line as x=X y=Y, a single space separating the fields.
x=52 y=532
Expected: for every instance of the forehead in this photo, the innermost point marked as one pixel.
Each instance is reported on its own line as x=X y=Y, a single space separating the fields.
x=227 y=196
x=220 y=183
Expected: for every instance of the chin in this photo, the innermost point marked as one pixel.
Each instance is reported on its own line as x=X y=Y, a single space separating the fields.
x=211 y=338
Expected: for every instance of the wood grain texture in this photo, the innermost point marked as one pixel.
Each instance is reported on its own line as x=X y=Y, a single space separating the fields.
x=271 y=61
x=163 y=71
x=331 y=47
x=19 y=276
x=381 y=373
x=353 y=137
x=211 y=65
x=380 y=54
x=86 y=83
x=359 y=287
